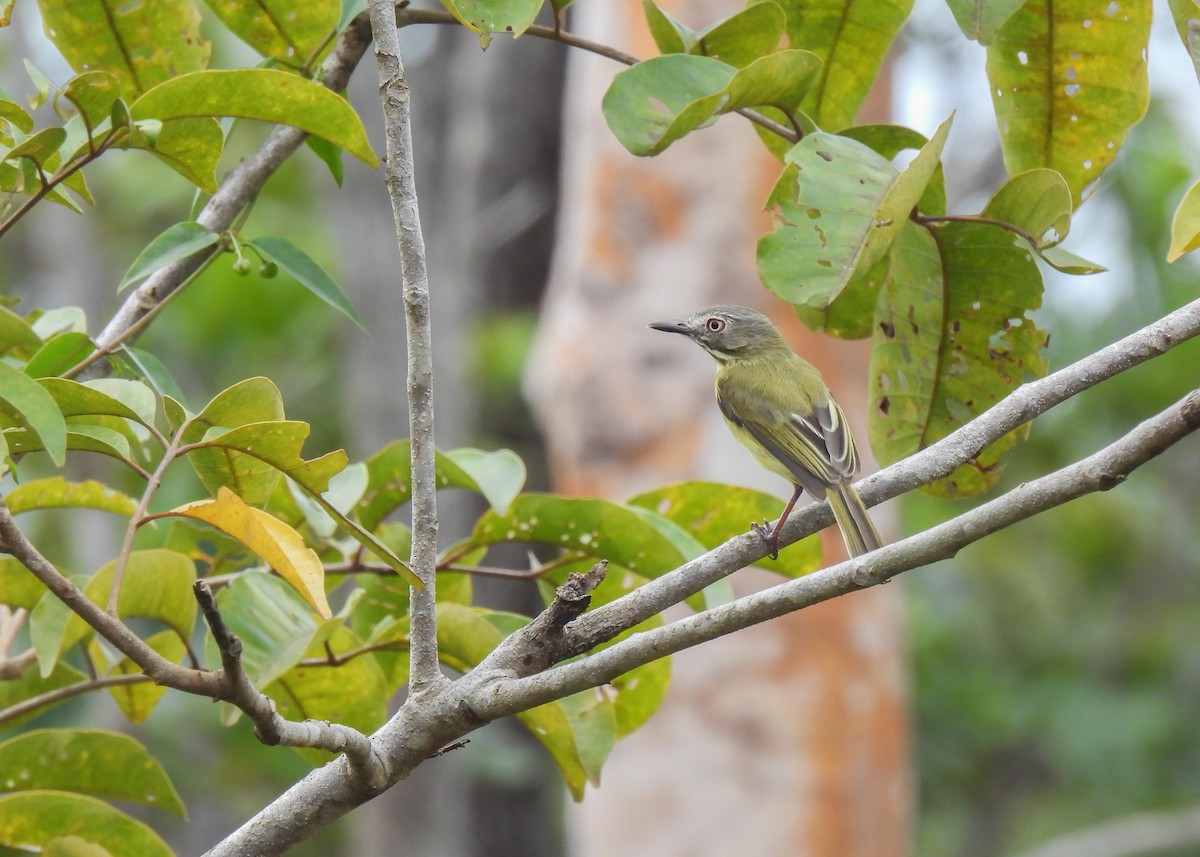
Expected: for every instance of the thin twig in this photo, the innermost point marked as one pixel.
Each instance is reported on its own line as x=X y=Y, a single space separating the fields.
x=241 y=185
x=50 y=697
x=152 y=485
x=408 y=15
x=400 y=178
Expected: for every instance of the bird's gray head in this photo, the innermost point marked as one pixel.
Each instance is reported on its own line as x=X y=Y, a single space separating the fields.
x=728 y=332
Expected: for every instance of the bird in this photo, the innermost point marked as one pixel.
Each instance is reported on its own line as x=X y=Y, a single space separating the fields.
x=778 y=406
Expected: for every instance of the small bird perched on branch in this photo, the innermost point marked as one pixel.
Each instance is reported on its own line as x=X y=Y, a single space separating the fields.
x=778 y=407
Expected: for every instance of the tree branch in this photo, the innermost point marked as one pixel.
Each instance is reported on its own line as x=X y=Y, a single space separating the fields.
x=1132 y=835
x=928 y=465
x=506 y=682
x=1098 y=472
x=408 y=15
x=400 y=178
x=271 y=727
x=239 y=187
x=154 y=665
x=29 y=706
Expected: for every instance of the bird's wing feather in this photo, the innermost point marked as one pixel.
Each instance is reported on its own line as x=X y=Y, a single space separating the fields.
x=816 y=444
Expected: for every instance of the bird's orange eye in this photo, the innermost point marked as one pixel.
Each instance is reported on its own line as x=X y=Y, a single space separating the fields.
x=715 y=325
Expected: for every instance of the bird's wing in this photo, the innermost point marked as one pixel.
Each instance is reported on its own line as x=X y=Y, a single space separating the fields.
x=817 y=444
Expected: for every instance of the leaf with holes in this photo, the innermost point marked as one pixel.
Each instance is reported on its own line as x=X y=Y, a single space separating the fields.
x=953 y=337
x=1068 y=81
x=839 y=205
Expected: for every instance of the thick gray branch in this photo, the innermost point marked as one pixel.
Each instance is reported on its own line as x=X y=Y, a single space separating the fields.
x=1099 y=472
x=932 y=463
x=400 y=176
x=503 y=684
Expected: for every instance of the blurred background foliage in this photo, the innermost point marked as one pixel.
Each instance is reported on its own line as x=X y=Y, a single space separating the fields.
x=1056 y=674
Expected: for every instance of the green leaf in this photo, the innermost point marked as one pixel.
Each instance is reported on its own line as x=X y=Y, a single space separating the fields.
x=592 y=720
x=73 y=846
x=389 y=482
x=142 y=44
x=90 y=762
x=56 y=492
x=1068 y=81
x=1185 y=226
x=174 y=243
x=745 y=35
x=279 y=28
x=42 y=148
x=330 y=155
x=93 y=94
x=18 y=586
x=499 y=476
x=597 y=528
x=41 y=83
x=980 y=20
x=31 y=684
x=953 y=337
x=275 y=624
x=656 y=102
x=467 y=635
x=82 y=437
x=155 y=373
x=494 y=16
x=671 y=36
x=1037 y=202
x=60 y=353
x=115 y=397
x=1068 y=262
x=138 y=701
x=157 y=585
x=278 y=444
x=29 y=820
x=715 y=513
x=191 y=147
x=889 y=141
x=264 y=94
x=840 y=206
x=255 y=400
x=640 y=691
x=15 y=332
x=851 y=38
x=312 y=276
x=16 y=115
x=24 y=400
x=54 y=321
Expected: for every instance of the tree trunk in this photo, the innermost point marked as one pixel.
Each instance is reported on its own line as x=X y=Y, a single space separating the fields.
x=788 y=739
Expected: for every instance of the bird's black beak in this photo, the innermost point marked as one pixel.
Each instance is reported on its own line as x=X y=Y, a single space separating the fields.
x=674 y=326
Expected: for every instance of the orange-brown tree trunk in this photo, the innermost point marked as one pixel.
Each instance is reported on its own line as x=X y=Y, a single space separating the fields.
x=787 y=739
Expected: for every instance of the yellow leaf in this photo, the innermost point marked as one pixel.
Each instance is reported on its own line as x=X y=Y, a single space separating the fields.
x=280 y=546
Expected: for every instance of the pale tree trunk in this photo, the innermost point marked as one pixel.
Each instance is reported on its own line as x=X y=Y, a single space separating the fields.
x=787 y=739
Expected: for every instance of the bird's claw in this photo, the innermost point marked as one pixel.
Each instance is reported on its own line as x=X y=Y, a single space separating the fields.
x=768 y=535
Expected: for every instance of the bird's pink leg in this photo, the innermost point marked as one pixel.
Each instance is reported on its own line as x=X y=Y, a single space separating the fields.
x=771 y=537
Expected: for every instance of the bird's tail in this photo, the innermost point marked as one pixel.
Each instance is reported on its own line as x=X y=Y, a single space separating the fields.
x=858 y=531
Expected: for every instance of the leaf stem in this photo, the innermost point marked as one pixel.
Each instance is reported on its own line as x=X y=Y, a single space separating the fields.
x=139 y=517
x=408 y=15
